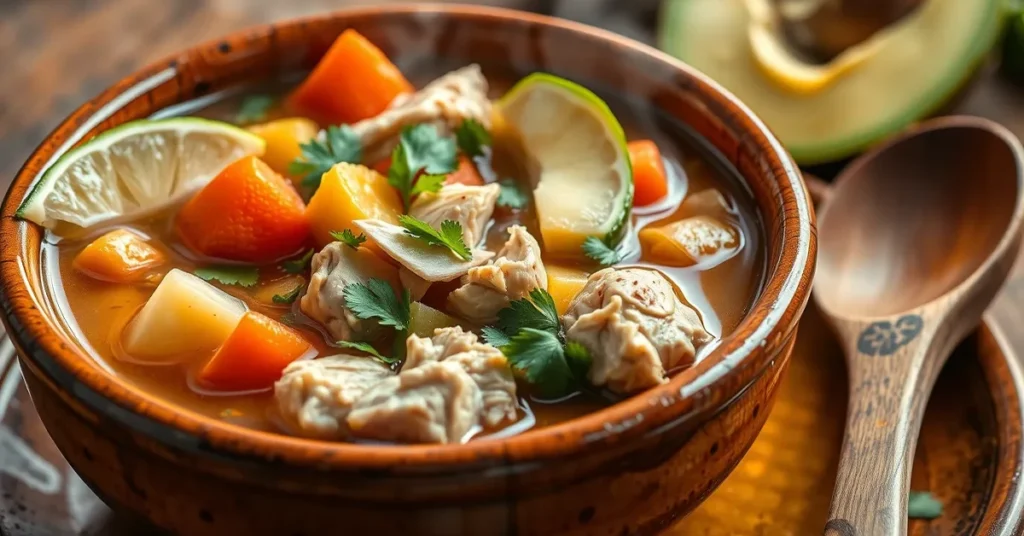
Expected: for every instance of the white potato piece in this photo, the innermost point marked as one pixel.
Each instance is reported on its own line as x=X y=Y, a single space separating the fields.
x=184 y=317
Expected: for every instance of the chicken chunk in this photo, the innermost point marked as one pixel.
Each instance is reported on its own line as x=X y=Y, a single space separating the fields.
x=485 y=364
x=436 y=402
x=471 y=206
x=515 y=271
x=314 y=397
x=333 y=268
x=635 y=328
x=445 y=103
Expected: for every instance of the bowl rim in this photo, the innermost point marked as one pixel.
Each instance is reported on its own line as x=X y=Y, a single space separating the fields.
x=717 y=379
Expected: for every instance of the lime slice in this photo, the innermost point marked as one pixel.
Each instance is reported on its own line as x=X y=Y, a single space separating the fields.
x=584 y=180
x=135 y=168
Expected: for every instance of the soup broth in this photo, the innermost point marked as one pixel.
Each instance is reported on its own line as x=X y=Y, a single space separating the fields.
x=719 y=288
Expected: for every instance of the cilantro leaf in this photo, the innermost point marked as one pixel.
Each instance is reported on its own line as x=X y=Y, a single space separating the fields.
x=377 y=300
x=450 y=235
x=288 y=297
x=254 y=108
x=511 y=196
x=538 y=313
x=421 y=149
x=298 y=265
x=537 y=357
x=494 y=336
x=578 y=358
x=366 y=348
x=339 y=144
x=428 y=183
x=922 y=505
x=243 y=276
x=349 y=238
x=601 y=252
x=472 y=137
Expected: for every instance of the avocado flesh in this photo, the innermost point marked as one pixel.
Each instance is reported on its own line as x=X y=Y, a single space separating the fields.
x=920 y=65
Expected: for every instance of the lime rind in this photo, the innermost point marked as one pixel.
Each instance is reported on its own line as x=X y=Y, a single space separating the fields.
x=570 y=91
x=35 y=208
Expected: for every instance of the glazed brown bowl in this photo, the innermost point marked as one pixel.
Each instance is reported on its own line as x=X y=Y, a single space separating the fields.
x=632 y=467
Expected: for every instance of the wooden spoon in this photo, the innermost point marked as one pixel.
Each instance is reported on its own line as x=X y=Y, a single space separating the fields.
x=915 y=241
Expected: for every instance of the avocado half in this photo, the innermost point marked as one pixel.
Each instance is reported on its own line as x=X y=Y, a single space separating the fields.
x=915 y=67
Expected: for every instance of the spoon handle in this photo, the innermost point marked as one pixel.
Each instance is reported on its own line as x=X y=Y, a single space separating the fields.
x=892 y=365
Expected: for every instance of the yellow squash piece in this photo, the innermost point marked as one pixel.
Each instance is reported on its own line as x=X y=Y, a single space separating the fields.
x=119 y=256
x=689 y=241
x=283 y=137
x=564 y=284
x=424 y=319
x=350 y=192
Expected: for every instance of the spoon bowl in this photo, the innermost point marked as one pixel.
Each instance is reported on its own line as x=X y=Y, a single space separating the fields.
x=917 y=238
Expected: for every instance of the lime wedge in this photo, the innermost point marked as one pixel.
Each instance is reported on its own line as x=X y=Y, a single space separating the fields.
x=584 y=180
x=135 y=168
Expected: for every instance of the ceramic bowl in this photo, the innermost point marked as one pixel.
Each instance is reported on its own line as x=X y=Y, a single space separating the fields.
x=630 y=468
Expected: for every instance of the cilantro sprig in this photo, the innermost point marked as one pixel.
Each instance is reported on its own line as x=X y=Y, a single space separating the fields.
x=449 y=235
x=600 y=251
x=923 y=505
x=339 y=144
x=472 y=137
x=242 y=276
x=366 y=348
x=288 y=297
x=531 y=337
x=510 y=195
x=349 y=238
x=298 y=264
x=376 y=300
x=421 y=161
x=253 y=109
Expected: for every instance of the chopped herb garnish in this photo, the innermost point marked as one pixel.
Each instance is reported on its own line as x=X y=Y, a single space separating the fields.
x=449 y=236
x=366 y=348
x=472 y=137
x=288 y=297
x=922 y=505
x=600 y=251
x=290 y=318
x=377 y=300
x=511 y=196
x=253 y=109
x=578 y=358
x=538 y=312
x=537 y=356
x=530 y=335
x=349 y=238
x=298 y=265
x=494 y=336
x=242 y=276
x=339 y=144
x=422 y=155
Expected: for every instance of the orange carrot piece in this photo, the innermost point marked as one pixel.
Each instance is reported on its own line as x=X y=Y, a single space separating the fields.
x=353 y=81
x=246 y=213
x=253 y=356
x=119 y=256
x=466 y=174
x=649 y=179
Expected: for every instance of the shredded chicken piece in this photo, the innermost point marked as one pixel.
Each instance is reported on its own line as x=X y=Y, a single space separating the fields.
x=436 y=402
x=511 y=275
x=445 y=102
x=485 y=364
x=471 y=206
x=315 y=396
x=333 y=268
x=635 y=328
